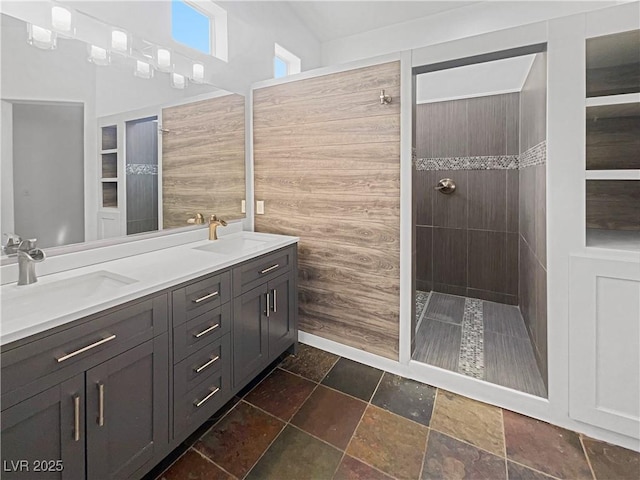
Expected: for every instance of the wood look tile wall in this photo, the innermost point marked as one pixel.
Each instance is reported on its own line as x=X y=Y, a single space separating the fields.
x=327 y=165
x=203 y=160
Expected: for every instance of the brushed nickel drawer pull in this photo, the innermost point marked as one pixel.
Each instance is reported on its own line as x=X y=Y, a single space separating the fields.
x=100 y=404
x=76 y=418
x=84 y=349
x=206 y=330
x=202 y=402
x=274 y=307
x=202 y=299
x=273 y=267
x=210 y=362
x=268 y=307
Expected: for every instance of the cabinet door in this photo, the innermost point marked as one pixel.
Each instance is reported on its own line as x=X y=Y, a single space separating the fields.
x=127 y=410
x=250 y=341
x=604 y=343
x=281 y=314
x=43 y=430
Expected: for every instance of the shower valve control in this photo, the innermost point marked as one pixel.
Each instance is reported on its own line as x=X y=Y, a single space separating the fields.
x=446 y=185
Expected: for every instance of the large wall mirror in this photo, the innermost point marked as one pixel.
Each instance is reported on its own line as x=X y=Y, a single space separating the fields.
x=99 y=143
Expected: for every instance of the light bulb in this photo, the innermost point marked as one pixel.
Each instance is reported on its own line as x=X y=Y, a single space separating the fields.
x=98 y=55
x=164 y=59
x=119 y=41
x=178 y=81
x=61 y=19
x=41 y=37
x=198 y=73
x=143 y=70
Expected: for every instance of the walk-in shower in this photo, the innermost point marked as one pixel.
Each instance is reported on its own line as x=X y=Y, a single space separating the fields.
x=479 y=184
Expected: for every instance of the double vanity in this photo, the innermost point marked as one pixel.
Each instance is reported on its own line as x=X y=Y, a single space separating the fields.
x=109 y=367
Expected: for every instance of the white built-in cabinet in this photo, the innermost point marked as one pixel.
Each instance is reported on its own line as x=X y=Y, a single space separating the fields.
x=604 y=288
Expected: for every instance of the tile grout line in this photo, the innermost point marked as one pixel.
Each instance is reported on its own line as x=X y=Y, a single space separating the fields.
x=533 y=469
x=465 y=442
x=286 y=424
x=586 y=456
x=172 y=464
x=367 y=405
x=424 y=454
x=210 y=460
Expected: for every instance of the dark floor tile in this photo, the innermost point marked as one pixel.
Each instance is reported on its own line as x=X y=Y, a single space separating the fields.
x=281 y=394
x=448 y=458
x=445 y=308
x=166 y=462
x=353 y=378
x=329 y=415
x=503 y=319
x=612 y=462
x=545 y=447
x=310 y=362
x=240 y=438
x=390 y=443
x=296 y=455
x=438 y=344
x=469 y=420
x=510 y=361
x=258 y=378
x=193 y=466
x=352 y=469
x=411 y=399
x=520 y=472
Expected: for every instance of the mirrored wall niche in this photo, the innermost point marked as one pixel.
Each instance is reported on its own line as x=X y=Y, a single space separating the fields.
x=84 y=148
x=613 y=141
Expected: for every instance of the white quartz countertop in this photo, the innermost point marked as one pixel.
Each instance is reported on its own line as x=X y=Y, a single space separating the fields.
x=63 y=297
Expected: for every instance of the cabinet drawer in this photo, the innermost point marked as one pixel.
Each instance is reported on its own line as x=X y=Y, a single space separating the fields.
x=84 y=345
x=201 y=402
x=199 y=366
x=254 y=272
x=201 y=296
x=191 y=336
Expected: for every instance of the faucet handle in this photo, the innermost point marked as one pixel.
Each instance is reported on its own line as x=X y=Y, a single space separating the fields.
x=12 y=239
x=214 y=218
x=27 y=245
x=198 y=219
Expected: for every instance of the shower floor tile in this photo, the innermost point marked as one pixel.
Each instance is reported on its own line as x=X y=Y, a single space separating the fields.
x=477 y=338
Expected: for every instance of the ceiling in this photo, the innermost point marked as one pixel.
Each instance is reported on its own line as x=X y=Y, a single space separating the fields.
x=488 y=78
x=330 y=20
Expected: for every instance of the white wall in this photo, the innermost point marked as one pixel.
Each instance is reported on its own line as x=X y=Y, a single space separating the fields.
x=476 y=19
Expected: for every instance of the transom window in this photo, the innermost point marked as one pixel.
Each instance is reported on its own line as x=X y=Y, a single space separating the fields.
x=284 y=62
x=200 y=25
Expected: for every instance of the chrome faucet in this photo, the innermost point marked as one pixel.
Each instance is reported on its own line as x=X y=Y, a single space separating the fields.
x=28 y=256
x=214 y=223
x=13 y=242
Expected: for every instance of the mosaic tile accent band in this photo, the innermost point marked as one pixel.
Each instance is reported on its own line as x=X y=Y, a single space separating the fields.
x=536 y=155
x=471 y=360
x=499 y=162
x=141 y=169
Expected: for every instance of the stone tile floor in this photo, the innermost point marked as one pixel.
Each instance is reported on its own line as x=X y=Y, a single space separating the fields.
x=318 y=416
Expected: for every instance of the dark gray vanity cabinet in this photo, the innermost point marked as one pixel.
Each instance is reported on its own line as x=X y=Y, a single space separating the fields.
x=127 y=405
x=93 y=396
x=107 y=397
x=47 y=426
x=265 y=312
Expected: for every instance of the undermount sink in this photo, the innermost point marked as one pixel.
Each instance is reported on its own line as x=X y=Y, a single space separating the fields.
x=16 y=298
x=231 y=246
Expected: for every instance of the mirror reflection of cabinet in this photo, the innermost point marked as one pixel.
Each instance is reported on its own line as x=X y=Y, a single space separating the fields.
x=108 y=213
